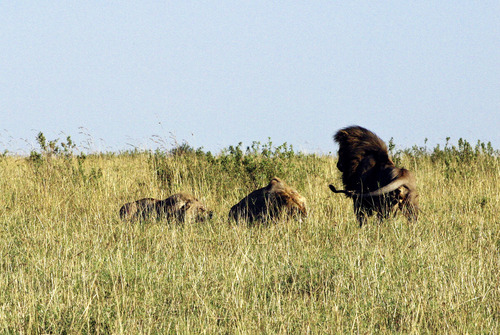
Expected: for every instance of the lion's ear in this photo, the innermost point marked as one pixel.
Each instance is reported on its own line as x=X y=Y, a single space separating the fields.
x=186 y=206
x=273 y=184
x=275 y=180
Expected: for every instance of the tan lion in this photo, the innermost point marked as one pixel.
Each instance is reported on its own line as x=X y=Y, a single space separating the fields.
x=180 y=207
x=270 y=202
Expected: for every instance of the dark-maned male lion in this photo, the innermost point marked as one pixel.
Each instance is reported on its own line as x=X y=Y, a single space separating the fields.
x=370 y=177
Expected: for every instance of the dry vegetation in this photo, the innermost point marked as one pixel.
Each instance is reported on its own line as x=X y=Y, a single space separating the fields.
x=69 y=265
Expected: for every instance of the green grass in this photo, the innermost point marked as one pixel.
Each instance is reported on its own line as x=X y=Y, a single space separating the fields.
x=69 y=265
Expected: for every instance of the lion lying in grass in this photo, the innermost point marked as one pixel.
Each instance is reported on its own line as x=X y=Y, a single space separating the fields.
x=180 y=207
x=270 y=202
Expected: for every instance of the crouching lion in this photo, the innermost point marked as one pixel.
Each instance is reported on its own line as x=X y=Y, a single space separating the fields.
x=269 y=203
x=180 y=207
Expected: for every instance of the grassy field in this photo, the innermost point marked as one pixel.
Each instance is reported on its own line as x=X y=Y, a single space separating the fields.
x=69 y=265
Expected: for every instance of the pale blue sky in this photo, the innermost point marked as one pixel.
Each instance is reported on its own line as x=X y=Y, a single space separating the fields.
x=215 y=73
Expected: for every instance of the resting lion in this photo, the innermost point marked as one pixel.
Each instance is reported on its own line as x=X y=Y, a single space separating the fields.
x=180 y=207
x=269 y=203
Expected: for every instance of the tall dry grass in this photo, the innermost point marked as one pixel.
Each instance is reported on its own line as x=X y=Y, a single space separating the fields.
x=69 y=265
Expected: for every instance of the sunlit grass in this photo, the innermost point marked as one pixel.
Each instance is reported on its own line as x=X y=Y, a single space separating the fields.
x=69 y=265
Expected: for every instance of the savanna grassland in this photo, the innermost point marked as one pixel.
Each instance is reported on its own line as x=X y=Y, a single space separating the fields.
x=69 y=265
